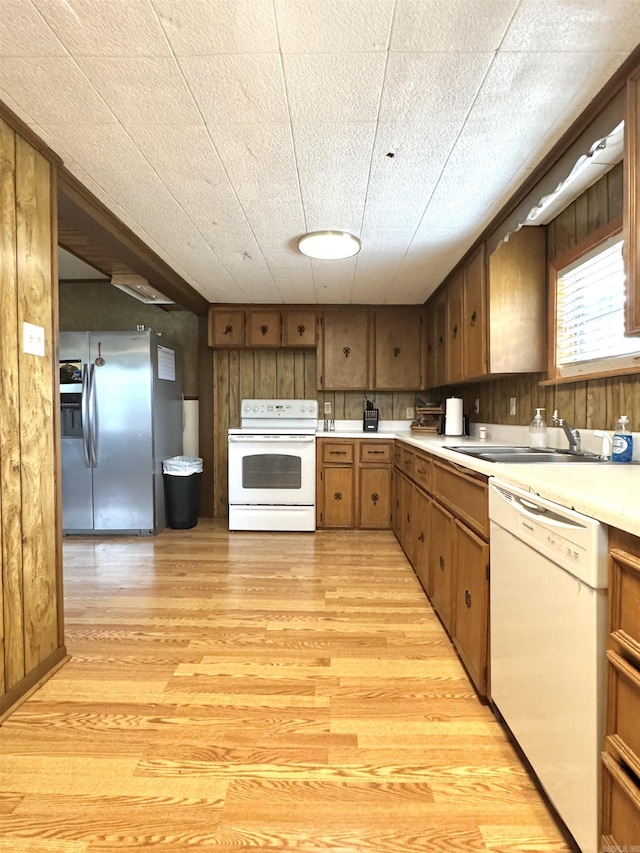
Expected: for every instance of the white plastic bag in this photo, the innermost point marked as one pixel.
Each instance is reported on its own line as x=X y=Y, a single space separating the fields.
x=182 y=466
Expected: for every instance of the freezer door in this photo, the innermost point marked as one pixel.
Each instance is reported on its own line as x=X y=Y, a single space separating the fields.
x=123 y=439
x=77 y=487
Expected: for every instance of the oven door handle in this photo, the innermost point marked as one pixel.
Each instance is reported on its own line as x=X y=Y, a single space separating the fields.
x=263 y=439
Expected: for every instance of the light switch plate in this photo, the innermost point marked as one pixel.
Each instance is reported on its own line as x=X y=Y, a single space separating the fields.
x=327 y=407
x=33 y=339
x=512 y=405
x=409 y=412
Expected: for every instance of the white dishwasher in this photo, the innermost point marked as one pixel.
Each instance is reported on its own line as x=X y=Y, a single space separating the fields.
x=548 y=626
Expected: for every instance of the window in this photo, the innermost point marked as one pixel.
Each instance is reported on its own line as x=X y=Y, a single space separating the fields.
x=590 y=323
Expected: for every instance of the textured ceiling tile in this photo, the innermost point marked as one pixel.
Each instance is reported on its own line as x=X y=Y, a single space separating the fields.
x=400 y=185
x=259 y=160
x=466 y=26
x=237 y=89
x=53 y=91
x=575 y=25
x=23 y=32
x=100 y=153
x=106 y=27
x=180 y=152
x=207 y=27
x=427 y=88
x=142 y=91
x=332 y=280
x=375 y=271
x=333 y=26
x=334 y=87
x=333 y=163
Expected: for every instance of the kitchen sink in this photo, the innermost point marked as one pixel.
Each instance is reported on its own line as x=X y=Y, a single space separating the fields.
x=528 y=455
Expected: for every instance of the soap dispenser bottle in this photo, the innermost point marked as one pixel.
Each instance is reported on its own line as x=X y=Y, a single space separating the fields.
x=538 y=430
x=622 y=441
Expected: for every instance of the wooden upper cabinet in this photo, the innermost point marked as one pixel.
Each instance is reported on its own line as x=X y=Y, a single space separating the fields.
x=517 y=314
x=343 y=351
x=299 y=329
x=398 y=341
x=474 y=329
x=454 y=328
x=631 y=215
x=263 y=329
x=226 y=328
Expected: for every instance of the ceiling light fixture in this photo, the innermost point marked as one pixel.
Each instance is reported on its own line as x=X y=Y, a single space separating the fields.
x=329 y=245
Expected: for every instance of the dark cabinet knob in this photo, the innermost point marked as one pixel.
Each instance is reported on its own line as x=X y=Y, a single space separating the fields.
x=441 y=561
x=301 y=330
x=474 y=317
x=467 y=598
x=264 y=330
x=337 y=496
x=375 y=498
x=455 y=331
x=421 y=537
x=346 y=351
x=396 y=352
x=228 y=330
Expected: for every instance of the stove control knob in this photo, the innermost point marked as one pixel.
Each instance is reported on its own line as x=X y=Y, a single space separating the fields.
x=255 y=408
x=246 y=408
x=303 y=409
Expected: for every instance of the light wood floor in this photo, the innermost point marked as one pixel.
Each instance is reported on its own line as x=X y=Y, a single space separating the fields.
x=251 y=690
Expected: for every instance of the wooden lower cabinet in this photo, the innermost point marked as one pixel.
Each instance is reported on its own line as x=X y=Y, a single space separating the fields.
x=471 y=601
x=620 y=817
x=440 y=517
x=374 y=505
x=338 y=496
x=354 y=483
x=441 y=562
x=421 y=538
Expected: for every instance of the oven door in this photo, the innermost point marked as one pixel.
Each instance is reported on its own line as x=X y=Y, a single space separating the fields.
x=272 y=469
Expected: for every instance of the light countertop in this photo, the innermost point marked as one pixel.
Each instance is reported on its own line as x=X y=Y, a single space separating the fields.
x=609 y=492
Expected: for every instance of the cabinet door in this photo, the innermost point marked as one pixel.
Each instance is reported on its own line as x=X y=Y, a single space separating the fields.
x=441 y=562
x=344 y=351
x=226 y=328
x=398 y=349
x=406 y=529
x=454 y=328
x=396 y=505
x=474 y=337
x=421 y=525
x=264 y=329
x=299 y=329
x=374 y=497
x=431 y=344
x=338 y=496
x=440 y=370
x=631 y=215
x=471 y=603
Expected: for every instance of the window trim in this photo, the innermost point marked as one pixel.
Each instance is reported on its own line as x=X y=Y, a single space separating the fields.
x=606 y=232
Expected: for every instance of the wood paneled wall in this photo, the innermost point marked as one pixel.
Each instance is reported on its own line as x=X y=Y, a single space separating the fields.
x=31 y=627
x=263 y=374
x=592 y=404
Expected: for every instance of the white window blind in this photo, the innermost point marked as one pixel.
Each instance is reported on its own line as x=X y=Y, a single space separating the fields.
x=590 y=297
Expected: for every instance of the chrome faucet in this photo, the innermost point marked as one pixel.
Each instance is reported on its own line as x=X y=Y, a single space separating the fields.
x=573 y=435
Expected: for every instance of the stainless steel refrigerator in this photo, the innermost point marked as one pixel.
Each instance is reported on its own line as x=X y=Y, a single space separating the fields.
x=121 y=415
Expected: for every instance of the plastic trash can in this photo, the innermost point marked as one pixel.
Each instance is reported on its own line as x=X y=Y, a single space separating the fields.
x=182 y=490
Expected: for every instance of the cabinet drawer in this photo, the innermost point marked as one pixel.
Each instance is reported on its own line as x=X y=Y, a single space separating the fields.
x=375 y=451
x=465 y=496
x=335 y=451
x=623 y=708
x=299 y=329
x=226 y=328
x=621 y=806
x=422 y=471
x=624 y=601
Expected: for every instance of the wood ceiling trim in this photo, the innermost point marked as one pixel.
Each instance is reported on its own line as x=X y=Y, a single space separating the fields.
x=113 y=243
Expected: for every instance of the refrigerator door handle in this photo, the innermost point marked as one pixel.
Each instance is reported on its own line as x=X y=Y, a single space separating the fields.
x=86 y=418
x=93 y=417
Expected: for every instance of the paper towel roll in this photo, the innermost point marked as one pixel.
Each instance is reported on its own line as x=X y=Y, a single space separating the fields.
x=453 y=419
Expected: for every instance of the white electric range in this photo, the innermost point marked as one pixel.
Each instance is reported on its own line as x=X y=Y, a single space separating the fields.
x=272 y=466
